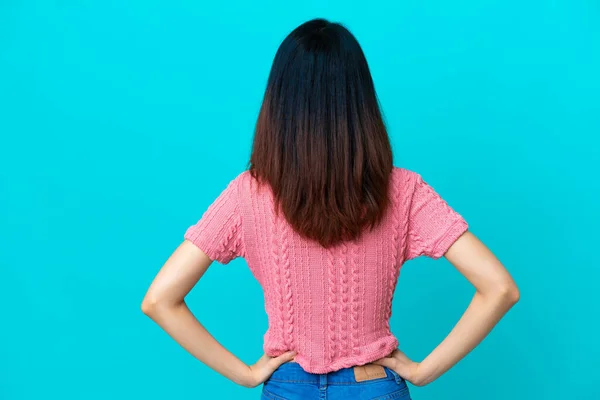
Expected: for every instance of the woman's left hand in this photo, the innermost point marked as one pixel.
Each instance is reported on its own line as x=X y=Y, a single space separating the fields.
x=402 y=365
x=264 y=368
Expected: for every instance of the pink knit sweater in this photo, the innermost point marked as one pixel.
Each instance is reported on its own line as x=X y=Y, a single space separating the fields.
x=332 y=306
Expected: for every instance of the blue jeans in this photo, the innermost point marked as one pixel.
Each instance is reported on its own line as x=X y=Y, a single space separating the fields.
x=291 y=382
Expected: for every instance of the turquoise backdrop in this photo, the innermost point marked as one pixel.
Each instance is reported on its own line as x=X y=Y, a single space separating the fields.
x=120 y=122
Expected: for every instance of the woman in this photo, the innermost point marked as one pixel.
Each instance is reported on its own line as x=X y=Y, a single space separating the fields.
x=325 y=221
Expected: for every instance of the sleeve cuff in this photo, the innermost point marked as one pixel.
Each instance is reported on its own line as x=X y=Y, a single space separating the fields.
x=194 y=235
x=452 y=234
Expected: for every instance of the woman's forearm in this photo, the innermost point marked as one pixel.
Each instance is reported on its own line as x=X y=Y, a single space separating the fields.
x=482 y=314
x=179 y=322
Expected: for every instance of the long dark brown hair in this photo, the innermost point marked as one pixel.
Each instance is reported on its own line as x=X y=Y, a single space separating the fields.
x=320 y=140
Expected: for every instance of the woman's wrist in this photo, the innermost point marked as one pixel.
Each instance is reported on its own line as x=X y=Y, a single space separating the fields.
x=245 y=377
x=416 y=374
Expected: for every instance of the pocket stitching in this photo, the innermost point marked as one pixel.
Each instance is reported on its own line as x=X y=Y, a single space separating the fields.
x=396 y=375
x=393 y=395
x=272 y=395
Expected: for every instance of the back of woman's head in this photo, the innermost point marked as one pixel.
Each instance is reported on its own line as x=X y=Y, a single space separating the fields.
x=320 y=141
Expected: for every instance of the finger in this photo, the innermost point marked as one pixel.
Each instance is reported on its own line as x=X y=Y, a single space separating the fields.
x=400 y=356
x=285 y=357
x=386 y=362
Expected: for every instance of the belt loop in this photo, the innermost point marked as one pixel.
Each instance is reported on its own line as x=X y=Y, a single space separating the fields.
x=397 y=377
x=322 y=386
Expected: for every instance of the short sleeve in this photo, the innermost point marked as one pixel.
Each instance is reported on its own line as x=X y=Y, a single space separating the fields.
x=433 y=225
x=218 y=233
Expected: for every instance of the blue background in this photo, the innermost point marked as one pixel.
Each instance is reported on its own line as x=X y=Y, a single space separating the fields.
x=120 y=122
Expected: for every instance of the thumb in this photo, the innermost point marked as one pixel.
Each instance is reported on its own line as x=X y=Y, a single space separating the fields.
x=385 y=361
x=285 y=357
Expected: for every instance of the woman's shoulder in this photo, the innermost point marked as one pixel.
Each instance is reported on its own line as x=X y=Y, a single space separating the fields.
x=243 y=176
x=247 y=184
x=405 y=177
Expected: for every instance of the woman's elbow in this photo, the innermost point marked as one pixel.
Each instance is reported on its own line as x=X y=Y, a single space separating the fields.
x=147 y=306
x=155 y=303
x=508 y=293
x=150 y=304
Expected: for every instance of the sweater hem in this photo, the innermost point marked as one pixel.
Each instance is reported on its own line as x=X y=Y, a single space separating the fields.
x=349 y=361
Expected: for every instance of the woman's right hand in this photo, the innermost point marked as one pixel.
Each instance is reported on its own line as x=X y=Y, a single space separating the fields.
x=259 y=372
x=402 y=365
x=495 y=294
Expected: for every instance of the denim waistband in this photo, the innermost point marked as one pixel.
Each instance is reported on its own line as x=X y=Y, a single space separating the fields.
x=293 y=372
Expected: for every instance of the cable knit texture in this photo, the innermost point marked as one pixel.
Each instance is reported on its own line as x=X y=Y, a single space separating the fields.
x=332 y=306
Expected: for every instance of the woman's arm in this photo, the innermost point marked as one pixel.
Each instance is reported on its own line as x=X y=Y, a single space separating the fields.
x=496 y=293
x=164 y=303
